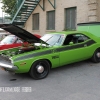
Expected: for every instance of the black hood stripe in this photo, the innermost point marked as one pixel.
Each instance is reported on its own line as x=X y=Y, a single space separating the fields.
x=88 y=43
x=33 y=55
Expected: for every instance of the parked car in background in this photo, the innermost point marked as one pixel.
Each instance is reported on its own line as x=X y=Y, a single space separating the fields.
x=3 y=35
x=12 y=41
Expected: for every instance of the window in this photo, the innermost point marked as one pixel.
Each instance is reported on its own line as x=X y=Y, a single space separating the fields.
x=51 y=20
x=75 y=38
x=9 y=39
x=36 y=21
x=70 y=18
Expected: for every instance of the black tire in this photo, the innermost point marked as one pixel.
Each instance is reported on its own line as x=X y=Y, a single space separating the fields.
x=96 y=56
x=40 y=69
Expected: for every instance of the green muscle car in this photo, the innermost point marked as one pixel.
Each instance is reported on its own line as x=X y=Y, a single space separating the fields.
x=50 y=51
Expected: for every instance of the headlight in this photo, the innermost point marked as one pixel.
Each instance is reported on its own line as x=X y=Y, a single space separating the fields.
x=11 y=60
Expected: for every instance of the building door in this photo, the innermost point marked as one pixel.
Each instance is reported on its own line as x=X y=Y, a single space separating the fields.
x=70 y=18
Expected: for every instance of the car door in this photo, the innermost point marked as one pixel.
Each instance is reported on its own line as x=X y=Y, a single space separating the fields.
x=76 y=48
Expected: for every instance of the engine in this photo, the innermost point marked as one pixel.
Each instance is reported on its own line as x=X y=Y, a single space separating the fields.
x=6 y=54
x=26 y=49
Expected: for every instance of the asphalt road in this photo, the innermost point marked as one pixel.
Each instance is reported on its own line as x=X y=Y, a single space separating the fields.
x=79 y=81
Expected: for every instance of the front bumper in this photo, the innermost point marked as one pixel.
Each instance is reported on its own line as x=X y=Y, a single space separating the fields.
x=8 y=67
x=6 y=63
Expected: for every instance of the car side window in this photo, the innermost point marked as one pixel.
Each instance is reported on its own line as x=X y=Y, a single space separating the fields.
x=80 y=38
x=68 y=39
x=75 y=38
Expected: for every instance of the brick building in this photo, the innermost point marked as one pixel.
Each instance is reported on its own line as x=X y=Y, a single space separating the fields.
x=59 y=15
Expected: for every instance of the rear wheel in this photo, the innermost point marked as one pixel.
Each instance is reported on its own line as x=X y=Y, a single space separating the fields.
x=40 y=69
x=96 y=56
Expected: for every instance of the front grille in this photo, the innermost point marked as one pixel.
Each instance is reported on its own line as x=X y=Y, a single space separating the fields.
x=5 y=59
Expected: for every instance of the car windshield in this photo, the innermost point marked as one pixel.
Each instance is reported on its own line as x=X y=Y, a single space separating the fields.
x=53 y=39
x=8 y=40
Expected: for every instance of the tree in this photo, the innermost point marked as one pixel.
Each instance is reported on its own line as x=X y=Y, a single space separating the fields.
x=8 y=5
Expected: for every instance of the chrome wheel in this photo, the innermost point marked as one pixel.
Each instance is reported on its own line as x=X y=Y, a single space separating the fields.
x=40 y=69
x=96 y=56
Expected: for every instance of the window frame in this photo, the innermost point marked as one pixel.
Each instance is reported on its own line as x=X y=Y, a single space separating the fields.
x=48 y=24
x=36 y=22
x=70 y=18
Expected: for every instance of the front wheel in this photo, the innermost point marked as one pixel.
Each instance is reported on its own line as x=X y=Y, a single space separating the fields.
x=40 y=69
x=96 y=56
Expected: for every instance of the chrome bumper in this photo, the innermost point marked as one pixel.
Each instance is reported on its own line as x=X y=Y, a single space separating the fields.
x=8 y=67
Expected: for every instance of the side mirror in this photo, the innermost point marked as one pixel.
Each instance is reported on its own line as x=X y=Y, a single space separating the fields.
x=71 y=43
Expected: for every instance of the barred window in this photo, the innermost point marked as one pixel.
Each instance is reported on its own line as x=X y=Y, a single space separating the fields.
x=36 y=21
x=51 y=20
x=70 y=18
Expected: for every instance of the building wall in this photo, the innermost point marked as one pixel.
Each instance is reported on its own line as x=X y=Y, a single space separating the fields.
x=82 y=14
x=93 y=9
x=98 y=10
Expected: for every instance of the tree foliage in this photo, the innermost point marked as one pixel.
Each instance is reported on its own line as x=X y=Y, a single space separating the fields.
x=8 y=5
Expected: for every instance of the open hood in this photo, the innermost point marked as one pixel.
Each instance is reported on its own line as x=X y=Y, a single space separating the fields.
x=21 y=33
